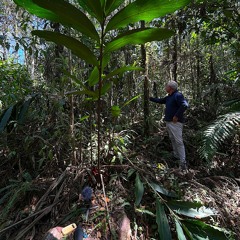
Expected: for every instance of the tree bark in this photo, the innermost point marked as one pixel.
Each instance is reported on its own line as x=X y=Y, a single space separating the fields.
x=146 y=87
x=174 y=59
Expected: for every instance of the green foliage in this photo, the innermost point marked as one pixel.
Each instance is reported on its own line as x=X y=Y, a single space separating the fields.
x=144 y=10
x=139 y=190
x=190 y=209
x=14 y=83
x=10 y=195
x=75 y=18
x=199 y=230
x=15 y=113
x=161 y=190
x=162 y=221
x=215 y=134
x=78 y=48
x=68 y=15
x=183 y=213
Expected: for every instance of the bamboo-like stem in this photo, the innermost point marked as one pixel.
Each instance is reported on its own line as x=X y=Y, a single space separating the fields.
x=100 y=70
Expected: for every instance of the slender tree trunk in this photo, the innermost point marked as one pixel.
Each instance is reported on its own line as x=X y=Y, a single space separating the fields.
x=58 y=52
x=174 y=59
x=198 y=79
x=72 y=118
x=213 y=80
x=146 y=87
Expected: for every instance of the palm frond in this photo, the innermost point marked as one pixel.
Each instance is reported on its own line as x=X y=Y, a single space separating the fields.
x=215 y=134
x=231 y=106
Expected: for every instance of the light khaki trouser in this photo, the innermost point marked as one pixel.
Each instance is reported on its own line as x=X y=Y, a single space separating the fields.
x=175 y=134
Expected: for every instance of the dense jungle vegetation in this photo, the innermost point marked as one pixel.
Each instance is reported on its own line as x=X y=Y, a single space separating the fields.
x=75 y=118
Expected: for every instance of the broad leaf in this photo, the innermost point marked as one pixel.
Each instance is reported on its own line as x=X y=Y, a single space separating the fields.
x=5 y=118
x=105 y=88
x=71 y=16
x=162 y=222
x=202 y=231
x=131 y=171
x=77 y=48
x=111 y=5
x=76 y=80
x=162 y=190
x=121 y=71
x=179 y=229
x=132 y=99
x=62 y=12
x=24 y=109
x=94 y=77
x=87 y=92
x=106 y=59
x=142 y=211
x=145 y=10
x=116 y=111
x=93 y=7
x=190 y=209
x=138 y=36
x=139 y=190
x=33 y=8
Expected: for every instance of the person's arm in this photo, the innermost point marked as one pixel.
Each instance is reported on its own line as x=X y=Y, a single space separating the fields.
x=183 y=105
x=158 y=100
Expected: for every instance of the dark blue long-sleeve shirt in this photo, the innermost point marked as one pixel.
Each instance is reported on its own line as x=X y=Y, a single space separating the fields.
x=175 y=103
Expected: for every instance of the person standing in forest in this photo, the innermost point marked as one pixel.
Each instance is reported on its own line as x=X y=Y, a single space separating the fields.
x=176 y=105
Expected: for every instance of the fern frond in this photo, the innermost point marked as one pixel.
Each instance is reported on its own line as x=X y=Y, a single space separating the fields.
x=215 y=134
x=231 y=106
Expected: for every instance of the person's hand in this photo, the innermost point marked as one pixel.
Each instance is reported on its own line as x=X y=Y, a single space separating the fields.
x=175 y=119
x=54 y=233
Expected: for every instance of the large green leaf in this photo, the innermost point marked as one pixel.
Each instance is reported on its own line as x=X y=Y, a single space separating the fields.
x=94 y=77
x=190 y=209
x=112 y=5
x=156 y=187
x=78 y=48
x=139 y=190
x=144 y=10
x=33 y=8
x=79 y=92
x=62 y=12
x=162 y=222
x=138 y=36
x=93 y=7
x=5 y=118
x=24 y=108
x=121 y=71
x=105 y=88
x=179 y=229
x=71 y=16
x=202 y=231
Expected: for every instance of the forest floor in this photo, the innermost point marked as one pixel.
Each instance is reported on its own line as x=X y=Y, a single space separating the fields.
x=54 y=197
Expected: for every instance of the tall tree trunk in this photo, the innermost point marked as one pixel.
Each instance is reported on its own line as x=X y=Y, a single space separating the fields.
x=58 y=52
x=198 y=79
x=213 y=81
x=174 y=59
x=72 y=118
x=146 y=87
